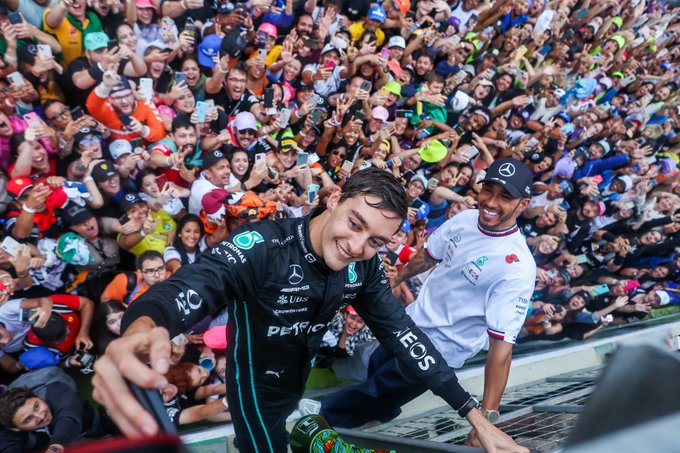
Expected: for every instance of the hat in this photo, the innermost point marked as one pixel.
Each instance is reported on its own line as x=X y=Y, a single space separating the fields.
x=95 y=41
x=664 y=297
x=420 y=178
x=123 y=85
x=380 y=113
x=216 y=337
x=618 y=21
x=244 y=120
x=83 y=133
x=349 y=309
x=469 y=69
x=377 y=13
x=17 y=186
x=287 y=143
x=129 y=200
x=581 y=152
x=406 y=226
x=208 y=49
x=565 y=275
x=328 y=47
x=602 y=208
x=394 y=88
x=225 y=7
x=233 y=43
x=564 y=168
x=513 y=175
x=396 y=41
x=146 y=4
x=566 y=187
x=619 y=40
x=402 y=5
x=563 y=115
x=606 y=82
x=103 y=171
x=522 y=113
x=212 y=158
x=74 y=214
x=27 y=53
x=119 y=148
x=536 y=157
x=627 y=182
x=433 y=152
x=605 y=145
x=270 y=29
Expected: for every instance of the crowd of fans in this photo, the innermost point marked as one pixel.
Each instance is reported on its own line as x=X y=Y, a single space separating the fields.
x=135 y=134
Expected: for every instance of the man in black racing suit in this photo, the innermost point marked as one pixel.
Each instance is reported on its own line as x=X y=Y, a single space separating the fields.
x=282 y=282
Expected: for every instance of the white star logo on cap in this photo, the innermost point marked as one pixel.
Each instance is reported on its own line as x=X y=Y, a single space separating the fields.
x=507 y=169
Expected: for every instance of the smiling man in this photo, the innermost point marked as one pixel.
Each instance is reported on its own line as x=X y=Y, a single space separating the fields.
x=281 y=282
x=479 y=292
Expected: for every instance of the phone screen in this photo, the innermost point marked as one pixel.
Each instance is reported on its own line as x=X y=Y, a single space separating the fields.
x=302 y=159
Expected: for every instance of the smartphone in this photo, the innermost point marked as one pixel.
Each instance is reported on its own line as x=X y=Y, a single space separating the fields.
x=312 y=191
x=15 y=78
x=125 y=119
x=113 y=43
x=314 y=99
x=316 y=115
x=202 y=109
x=628 y=80
x=152 y=402
x=10 y=245
x=259 y=157
x=330 y=64
x=284 y=118
x=360 y=115
x=385 y=53
x=599 y=290
x=190 y=27
x=404 y=114
x=262 y=53
x=146 y=87
x=521 y=51
x=44 y=51
x=262 y=37
x=432 y=182
x=533 y=141
x=180 y=77
x=390 y=163
x=32 y=119
x=581 y=259
x=123 y=219
x=25 y=315
x=597 y=179
x=347 y=166
x=273 y=174
x=302 y=159
x=545 y=50
x=312 y=159
x=161 y=181
x=567 y=129
x=268 y=98
x=14 y=18
x=211 y=103
x=77 y=112
x=137 y=146
x=394 y=68
x=366 y=85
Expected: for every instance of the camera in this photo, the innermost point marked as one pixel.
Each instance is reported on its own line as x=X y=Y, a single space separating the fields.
x=85 y=359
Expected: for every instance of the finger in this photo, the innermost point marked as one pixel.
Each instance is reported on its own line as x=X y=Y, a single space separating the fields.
x=160 y=350
x=115 y=402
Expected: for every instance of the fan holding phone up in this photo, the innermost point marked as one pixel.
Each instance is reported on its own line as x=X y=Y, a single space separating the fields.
x=113 y=104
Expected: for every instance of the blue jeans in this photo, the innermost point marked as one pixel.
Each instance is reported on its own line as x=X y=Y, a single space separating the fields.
x=380 y=397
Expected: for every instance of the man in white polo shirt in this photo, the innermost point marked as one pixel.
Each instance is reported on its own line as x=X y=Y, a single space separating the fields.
x=479 y=291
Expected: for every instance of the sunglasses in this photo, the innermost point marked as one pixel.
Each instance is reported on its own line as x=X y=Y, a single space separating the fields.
x=248 y=132
x=338 y=153
x=90 y=140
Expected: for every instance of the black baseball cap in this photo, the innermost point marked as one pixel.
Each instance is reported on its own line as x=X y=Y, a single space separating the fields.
x=513 y=175
x=74 y=214
x=129 y=200
x=103 y=171
x=212 y=158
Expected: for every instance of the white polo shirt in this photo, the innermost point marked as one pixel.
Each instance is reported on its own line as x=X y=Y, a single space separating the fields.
x=482 y=286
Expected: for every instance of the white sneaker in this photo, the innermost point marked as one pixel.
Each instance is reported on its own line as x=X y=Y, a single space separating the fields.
x=309 y=406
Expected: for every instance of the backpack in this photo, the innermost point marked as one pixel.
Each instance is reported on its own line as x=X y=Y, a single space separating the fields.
x=37 y=380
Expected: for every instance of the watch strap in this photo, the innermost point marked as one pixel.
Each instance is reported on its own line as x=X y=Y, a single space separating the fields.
x=468 y=406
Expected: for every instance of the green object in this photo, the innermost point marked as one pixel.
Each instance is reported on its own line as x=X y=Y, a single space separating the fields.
x=313 y=434
x=96 y=40
x=394 y=88
x=433 y=152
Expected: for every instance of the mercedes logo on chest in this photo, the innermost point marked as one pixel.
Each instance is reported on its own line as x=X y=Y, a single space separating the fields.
x=296 y=274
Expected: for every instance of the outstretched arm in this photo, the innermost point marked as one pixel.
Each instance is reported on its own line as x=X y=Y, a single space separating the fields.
x=421 y=262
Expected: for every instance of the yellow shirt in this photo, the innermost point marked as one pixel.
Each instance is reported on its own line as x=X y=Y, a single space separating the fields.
x=357 y=31
x=69 y=37
x=158 y=239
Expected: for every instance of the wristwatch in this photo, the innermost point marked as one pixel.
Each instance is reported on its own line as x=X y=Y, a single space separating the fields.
x=491 y=415
x=468 y=406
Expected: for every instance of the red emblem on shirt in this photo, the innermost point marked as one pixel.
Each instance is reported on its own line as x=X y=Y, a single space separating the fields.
x=511 y=259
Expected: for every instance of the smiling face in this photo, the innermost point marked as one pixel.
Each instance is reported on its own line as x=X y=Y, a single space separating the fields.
x=498 y=211
x=236 y=83
x=190 y=68
x=33 y=414
x=110 y=186
x=40 y=161
x=145 y=15
x=292 y=70
x=353 y=323
x=239 y=164
x=353 y=230
x=127 y=37
x=89 y=229
x=113 y=322
x=190 y=235
x=219 y=173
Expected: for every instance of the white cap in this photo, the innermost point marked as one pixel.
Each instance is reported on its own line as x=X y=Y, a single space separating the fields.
x=245 y=120
x=119 y=147
x=664 y=298
x=396 y=41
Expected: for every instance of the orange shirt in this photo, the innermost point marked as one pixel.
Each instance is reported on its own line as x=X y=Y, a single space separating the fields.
x=102 y=110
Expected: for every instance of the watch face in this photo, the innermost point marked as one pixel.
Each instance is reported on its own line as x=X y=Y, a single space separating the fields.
x=492 y=416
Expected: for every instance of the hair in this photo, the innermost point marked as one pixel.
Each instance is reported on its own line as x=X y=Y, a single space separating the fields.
x=141 y=175
x=14 y=142
x=179 y=245
x=431 y=77
x=180 y=376
x=48 y=103
x=182 y=120
x=10 y=402
x=423 y=53
x=379 y=183
x=148 y=255
x=54 y=330
x=101 y=334
x=241 y=67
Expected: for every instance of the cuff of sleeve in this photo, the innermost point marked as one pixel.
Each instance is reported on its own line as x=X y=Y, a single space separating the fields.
x=452 y=392
x=618 y=260
x=432 y=257
x=102 y=91
x=96 y=72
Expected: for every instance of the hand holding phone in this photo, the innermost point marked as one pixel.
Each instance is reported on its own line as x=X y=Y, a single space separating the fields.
x=10 y=246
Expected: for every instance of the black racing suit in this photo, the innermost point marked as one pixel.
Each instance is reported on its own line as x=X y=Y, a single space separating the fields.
x=280 y=296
